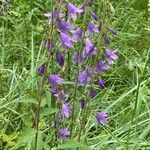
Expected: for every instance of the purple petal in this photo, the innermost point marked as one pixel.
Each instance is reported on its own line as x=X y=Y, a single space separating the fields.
x=66 y=110
x=100 y=66
x=94 y=16
x=89 y=48
x=66 y=40
x=41 y=69
x=102 y=118
x=55 y=80
x=60 y=58
x=92 y=93
x=63 y=133
x=112 y=31
x=101 y=84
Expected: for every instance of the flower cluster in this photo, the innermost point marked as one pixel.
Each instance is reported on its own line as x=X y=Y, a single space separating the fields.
x=88 y=74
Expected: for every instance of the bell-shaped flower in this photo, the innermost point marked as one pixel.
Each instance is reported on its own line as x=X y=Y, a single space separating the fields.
x=84 y=77
x=65 y=26
x=77 y=35
x=100 y=66
x=63 y=133
x=101 y=84
x=66 y=110
x=92 y=28
x=73 y=10
x=66 y=40
x=102 y=118
x=55 y=79
x=60 y=58
x=41 y=69
x=111 y=55
x=89 y=48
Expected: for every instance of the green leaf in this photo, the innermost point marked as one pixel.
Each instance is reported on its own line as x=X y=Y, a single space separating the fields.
x=26 y=100
x=27 y=136
x=73 y=144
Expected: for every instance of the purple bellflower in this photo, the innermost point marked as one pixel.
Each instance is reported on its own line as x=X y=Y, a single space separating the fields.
x=66 y=40
x=55 y=14
x=94 y=16
x=61 y=96
x=84 y=77
x=112 y=31
x=83 y=103
x=78 y=58
x=89 y=48
x=101 y=84
x=102 y=118
x=73 y=10
x=92 y=93
x=66 y=110
x=63 y=133
x=60 y=58
x=55 y=79
x=41 y=69
x=92 y=28
x=54 y=91
x=106 y=40
x=65 y=26
x=111 y=55
x=77 y=35
x=100 y=66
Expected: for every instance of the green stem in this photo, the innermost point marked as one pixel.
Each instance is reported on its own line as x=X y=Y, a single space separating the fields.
x=41 y=85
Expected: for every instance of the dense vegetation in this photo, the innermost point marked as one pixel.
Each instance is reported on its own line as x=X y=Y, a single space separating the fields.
x=126 y=97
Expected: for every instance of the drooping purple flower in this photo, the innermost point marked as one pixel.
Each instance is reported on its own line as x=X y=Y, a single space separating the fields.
x=78 y=58
x=66 y=110
x=95 y=16
x=106 y=40
x=77 y=35
x=60 y=58
x=102 y=118
x=63 y=133
x=65 y=26
x=66 y=40
x=89 y=48
x=83 y=103
x=61 y=96
x=111 y=55
x=73 y=10
x=41 y=69
x=112 y=31
x=92 y=28
x=92 y=93
x=55 y=15
x=101 y=84
x=100 y=66
x=84 y=77
x=54 y=91
x=55 y=79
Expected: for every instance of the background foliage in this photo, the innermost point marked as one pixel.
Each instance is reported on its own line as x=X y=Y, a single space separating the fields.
x=127 y=98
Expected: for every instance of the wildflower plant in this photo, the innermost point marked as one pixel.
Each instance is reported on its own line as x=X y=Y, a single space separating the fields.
x=69 y=79
x=78 y=53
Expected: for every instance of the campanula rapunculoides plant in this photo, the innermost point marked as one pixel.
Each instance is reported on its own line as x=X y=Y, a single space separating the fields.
x=78 y=53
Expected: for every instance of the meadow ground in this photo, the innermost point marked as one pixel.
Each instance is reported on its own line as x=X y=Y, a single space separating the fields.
x=126 y=98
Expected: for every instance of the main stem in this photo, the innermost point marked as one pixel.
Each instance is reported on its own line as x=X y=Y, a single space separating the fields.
x=41 y=85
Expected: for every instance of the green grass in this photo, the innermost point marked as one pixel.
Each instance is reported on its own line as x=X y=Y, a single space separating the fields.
x=126 y=99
